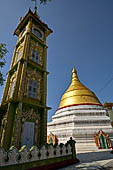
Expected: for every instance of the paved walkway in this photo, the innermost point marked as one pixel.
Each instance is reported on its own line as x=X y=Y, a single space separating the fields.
x=93 y=160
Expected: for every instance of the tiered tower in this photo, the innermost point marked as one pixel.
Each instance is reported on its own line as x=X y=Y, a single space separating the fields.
x=23 y=108
x=79 y=115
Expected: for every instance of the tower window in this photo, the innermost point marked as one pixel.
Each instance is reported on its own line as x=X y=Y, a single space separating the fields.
x=32 y=90
x=37 y=33
x=12 y=88
x=35 y=56
x=19 y=54
x=22 y=33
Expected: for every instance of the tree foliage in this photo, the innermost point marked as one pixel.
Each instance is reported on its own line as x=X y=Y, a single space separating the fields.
x=44 y=1
x=3 y=52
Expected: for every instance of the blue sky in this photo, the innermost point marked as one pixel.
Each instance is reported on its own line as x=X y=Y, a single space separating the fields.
x=82 y=36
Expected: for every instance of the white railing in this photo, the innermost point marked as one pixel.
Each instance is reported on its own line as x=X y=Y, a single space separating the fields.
x=13 y=156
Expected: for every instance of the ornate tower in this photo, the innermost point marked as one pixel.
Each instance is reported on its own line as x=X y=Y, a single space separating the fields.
x=23 y=108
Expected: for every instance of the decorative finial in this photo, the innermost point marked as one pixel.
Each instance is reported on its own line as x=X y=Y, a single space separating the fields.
x=74 y=73
x=35 y=8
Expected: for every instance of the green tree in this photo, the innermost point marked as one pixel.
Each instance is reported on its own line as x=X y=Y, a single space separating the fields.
x=3 y=52
x=44 y=1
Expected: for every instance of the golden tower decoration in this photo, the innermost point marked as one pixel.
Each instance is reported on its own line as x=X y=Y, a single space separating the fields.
x=23 y=111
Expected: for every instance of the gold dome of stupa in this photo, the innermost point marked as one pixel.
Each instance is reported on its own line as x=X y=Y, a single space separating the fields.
x=78 y=94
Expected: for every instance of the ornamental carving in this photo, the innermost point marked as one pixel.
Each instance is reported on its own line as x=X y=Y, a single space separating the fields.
x=2 y=130
x=29 y=113
x=34 y=74
x=18 y=126
x=25 y=113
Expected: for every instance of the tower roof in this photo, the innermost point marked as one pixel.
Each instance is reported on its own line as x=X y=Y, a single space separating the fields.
x=78 y=94
x=35 y=17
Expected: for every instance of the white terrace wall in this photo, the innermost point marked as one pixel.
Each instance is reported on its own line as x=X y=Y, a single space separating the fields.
x=24 y=156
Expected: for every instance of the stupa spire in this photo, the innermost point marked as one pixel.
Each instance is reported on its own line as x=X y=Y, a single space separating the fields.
x=74 y=74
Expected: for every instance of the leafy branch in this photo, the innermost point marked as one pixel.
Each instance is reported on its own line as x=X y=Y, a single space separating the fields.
x=3 y=52
x=44 y=1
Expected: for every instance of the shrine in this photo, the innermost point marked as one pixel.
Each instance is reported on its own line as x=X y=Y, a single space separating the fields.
x=52 y=139
x=102 y=140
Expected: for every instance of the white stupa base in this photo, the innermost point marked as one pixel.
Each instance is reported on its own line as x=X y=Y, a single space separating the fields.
x=81 y=123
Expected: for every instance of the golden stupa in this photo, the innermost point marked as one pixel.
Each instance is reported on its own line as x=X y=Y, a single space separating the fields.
x=78 y=94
